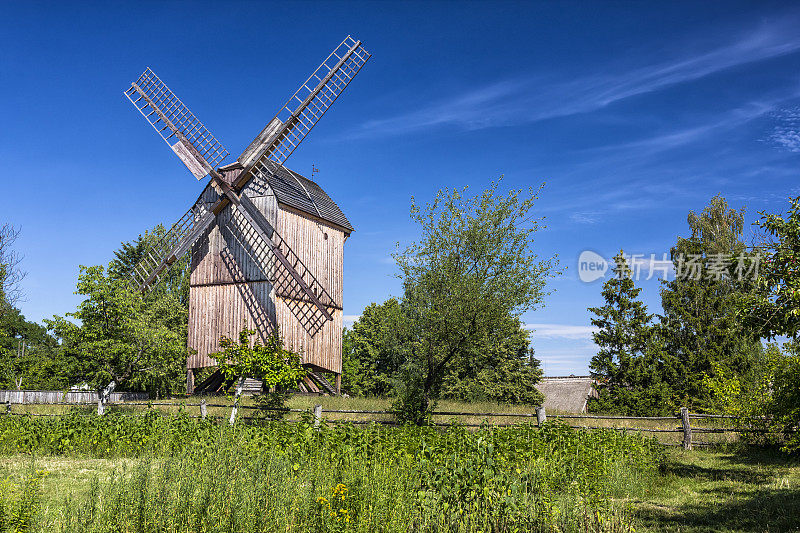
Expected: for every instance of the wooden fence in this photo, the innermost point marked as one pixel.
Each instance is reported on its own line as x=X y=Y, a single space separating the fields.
x=684 y=431
x=71 y=397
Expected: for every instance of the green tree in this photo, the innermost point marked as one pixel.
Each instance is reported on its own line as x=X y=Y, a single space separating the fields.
x=473 y=267
x=503 y=369
x=29 y=356
x=123 y=337
x=374 y=350
x=700 y=328
x=773 y=307
x=627 y=363
x=174 y=281
x=277 y=367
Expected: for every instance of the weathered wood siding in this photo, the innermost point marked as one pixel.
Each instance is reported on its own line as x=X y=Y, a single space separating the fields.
x=57 y=396
x=306 y=235
x=319 y=245
x=230 y=282
x=224 y=310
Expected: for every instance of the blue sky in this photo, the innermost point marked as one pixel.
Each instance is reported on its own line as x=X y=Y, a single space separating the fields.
x=631 y=113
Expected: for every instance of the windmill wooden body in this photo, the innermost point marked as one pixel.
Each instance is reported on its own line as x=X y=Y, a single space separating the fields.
x=266 y=243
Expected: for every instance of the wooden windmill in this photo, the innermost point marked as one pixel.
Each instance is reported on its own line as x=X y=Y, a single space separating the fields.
x=266 y=243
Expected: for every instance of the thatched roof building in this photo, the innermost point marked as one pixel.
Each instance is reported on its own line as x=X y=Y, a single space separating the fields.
x=567 y=394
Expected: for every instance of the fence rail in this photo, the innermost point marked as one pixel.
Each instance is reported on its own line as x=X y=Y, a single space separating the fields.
x=136 y=400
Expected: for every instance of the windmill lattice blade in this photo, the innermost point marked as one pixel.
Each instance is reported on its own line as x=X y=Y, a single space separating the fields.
x=264 y=251
x=191 y=141
x=292 y=278
x=307 y=105
x=176 y=242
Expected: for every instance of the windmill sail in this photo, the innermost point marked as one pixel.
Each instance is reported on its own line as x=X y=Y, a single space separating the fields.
x=166 y=250
x=191 y=141
x=305 y=107
x=201 y=153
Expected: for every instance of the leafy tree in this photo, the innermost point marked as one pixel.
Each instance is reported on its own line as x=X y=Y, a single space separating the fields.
x=29 y=355
x=276 y=367
x=174 y=281
x=125 y=338
x=473 y=267
x=773 y=308
x=700 y=328
x=374 y=350
x=626 y=366
x=504 y=370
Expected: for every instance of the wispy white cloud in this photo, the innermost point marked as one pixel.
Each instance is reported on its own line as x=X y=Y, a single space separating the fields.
x=527 y=100
x=349 y=320
x=561 y=331
x=787 y=132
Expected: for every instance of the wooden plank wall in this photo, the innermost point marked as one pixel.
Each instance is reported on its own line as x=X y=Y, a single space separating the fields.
x=319 y=245
x=325 y=257
x=324 y=349
x=57 y=396
x=230 y=287
x=224 y=310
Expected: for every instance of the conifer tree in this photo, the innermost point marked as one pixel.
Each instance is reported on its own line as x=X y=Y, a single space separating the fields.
x=623 y=338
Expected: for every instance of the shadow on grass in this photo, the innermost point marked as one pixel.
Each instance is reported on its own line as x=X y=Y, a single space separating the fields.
x=740 y=491
x=737 y=475
x=761 y=510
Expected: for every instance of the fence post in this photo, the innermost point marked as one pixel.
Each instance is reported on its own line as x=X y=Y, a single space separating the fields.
x=541 y=416
x=317 y=416
x=203 y=408
x=236 y=401
x=687 y=429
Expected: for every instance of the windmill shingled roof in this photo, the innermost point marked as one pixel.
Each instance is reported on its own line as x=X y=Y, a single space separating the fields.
x=288 y=191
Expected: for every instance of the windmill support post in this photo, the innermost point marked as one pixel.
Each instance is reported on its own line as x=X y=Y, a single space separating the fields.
x=339 y=384
x=189 y=380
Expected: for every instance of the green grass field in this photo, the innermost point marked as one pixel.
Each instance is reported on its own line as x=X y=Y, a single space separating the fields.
x=696 y=491
x=153 y=473
x=748 y=489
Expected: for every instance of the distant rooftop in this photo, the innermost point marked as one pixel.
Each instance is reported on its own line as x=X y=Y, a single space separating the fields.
x=566 y=394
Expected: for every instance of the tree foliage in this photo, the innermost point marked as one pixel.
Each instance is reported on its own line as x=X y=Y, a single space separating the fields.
x=121 y=336
x=700 y=328
x=473 y=268
x=269 y=362
x=653 y=368
x=773 y=308
x=278 y=368
x=374 y=350
x=627 y=365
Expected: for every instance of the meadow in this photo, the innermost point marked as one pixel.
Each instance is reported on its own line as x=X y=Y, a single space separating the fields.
x=154 y=473
x=149 y=472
